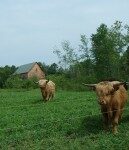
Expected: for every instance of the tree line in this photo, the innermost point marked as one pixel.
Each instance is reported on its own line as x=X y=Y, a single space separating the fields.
x=103 y=56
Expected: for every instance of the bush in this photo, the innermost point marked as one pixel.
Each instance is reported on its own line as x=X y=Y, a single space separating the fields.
x=18 y=83
x=62 y=82
x=30 y=83
x=75 y=84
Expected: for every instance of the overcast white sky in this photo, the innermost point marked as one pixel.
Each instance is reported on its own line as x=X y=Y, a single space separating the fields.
x=29 y=29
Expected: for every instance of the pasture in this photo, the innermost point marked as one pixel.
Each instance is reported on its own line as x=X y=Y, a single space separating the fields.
x=72 y=121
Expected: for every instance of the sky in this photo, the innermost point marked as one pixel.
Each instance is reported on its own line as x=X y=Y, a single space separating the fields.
x=30 y=29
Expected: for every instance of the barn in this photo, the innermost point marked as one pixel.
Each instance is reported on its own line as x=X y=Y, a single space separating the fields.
x=30 y=70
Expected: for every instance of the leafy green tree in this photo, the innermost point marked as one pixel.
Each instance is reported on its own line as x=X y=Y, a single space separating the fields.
x=5 y=73
x=124 y=65
x=52 y=69
x=84 y=49
x=108 y=44
x=116 y=33
x=66 y=55
x=101 y=52
x=103 y=58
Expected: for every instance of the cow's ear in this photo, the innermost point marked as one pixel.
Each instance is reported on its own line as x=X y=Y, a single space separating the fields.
x=47 y=81
x=116 y=86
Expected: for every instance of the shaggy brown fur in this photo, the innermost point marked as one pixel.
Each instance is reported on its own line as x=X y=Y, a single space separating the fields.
x=112 y=97
x=47 y=89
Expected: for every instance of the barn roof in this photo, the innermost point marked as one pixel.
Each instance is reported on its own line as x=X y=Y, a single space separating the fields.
x=25 y=68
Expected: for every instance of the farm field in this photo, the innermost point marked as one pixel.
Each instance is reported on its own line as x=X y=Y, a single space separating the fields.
x=72 y=121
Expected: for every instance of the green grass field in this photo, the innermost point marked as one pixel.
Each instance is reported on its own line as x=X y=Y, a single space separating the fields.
x=72 y=121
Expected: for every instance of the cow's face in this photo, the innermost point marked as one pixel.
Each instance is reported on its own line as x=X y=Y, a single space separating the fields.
x=42 y=83
x=104 y=93
x=105 y=90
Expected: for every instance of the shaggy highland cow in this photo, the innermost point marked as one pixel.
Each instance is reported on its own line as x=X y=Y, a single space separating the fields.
x=112 y=96
x=47 y=89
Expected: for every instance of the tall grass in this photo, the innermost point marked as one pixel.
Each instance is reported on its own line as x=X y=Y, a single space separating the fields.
x=71 y=121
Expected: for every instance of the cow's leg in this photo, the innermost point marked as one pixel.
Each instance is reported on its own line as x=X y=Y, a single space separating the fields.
x=115 y=120
x=105 y=121
x=110 y=114
x=120 y=116
x=48 y=96
x=105 y=118
x=43 y=95
x=52 y=95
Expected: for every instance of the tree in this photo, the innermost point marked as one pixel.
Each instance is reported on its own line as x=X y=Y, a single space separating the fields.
x=5 y=73
x=83 y=48
x=108 y=45
x=101 y=52
x=124 y=65
x=52 y=69
x=66 y=55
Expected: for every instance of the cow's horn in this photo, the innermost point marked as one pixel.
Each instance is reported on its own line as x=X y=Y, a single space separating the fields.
x=89 y=85
x=36 y=82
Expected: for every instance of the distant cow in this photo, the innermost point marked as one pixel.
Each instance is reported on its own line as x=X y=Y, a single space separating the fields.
x=112 y=97
x=47 y=89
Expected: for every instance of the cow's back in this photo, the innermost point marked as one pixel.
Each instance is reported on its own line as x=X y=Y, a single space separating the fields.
x=120 y=97
x=51 y=86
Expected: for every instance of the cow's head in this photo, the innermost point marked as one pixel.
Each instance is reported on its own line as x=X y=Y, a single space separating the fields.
x=42 y=83
x=105 y=90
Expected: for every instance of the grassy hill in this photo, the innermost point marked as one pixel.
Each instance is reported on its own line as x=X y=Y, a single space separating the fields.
x=72 y=121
